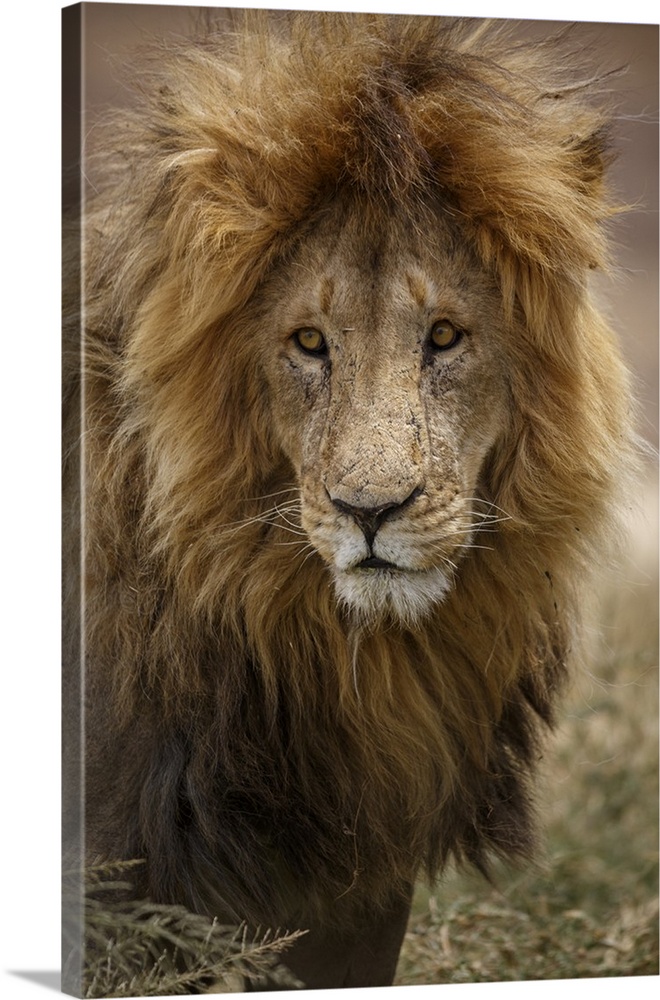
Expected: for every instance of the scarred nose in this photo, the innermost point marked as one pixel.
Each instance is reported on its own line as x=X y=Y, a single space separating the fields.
x=369 y=519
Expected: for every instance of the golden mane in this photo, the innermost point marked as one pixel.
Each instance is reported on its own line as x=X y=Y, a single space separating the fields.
x=226 y=685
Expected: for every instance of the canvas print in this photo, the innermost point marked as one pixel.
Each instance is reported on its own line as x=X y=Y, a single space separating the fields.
x=350 y=432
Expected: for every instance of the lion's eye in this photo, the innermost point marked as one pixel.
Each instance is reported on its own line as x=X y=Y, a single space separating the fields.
x=444 y=335
x=310 y=340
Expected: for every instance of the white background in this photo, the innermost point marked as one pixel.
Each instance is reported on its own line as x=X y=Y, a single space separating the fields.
x=30 y=670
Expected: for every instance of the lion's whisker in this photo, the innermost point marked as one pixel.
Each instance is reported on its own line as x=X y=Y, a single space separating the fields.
x=290 y=531
x=286 y=520
x=239 y=525
x=491 y=506
x=267 y=516
x=311 y=552
x=266 y=496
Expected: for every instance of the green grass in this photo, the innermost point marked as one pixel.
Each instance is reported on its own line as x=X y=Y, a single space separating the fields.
x=589 y=908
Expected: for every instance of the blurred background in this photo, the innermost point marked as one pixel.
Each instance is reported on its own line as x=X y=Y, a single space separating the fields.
x=590 y=907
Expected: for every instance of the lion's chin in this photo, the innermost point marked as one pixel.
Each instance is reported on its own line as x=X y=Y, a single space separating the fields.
x=375 y=595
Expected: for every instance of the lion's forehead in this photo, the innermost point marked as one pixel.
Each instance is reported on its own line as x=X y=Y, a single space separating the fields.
x=362 y=272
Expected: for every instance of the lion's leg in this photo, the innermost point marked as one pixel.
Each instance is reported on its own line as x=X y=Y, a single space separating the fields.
x=366 y=956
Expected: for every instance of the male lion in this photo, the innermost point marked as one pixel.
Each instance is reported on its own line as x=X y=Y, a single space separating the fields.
x=352 y=432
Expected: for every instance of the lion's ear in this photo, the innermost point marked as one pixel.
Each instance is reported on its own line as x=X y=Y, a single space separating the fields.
x=591 y=156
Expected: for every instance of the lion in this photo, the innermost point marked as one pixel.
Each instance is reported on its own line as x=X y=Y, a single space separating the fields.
x=353 y=434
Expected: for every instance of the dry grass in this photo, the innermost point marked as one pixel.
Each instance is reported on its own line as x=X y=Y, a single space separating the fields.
x=591 y=906
x=136 y=948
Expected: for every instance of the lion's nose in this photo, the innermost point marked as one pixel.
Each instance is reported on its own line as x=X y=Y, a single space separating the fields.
x=369 y=519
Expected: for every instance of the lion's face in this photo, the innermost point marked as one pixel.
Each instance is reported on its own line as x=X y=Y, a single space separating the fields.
x=383 y=347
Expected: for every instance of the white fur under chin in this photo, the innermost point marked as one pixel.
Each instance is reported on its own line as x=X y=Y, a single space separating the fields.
x=371 y=595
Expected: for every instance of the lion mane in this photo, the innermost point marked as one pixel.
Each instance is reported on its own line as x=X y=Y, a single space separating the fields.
x=272 y=759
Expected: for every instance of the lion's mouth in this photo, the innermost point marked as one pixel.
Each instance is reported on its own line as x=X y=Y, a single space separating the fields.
x=376 y=588
x=373 y=562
